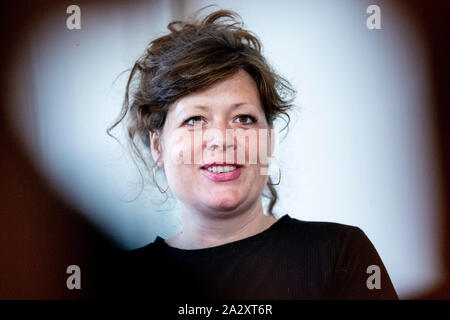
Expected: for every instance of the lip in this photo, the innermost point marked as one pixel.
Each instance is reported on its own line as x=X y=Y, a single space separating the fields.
x=222 y=164
x=221 y=177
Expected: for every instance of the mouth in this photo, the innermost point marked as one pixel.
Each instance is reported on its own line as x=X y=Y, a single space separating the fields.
x=221 y=172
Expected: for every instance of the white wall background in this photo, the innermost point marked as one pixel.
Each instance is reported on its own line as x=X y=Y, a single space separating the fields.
x=358 y=151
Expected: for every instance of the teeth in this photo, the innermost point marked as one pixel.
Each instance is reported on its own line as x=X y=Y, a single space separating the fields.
x=221 y=169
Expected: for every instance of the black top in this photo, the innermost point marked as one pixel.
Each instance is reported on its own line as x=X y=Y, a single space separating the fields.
x=292 y=259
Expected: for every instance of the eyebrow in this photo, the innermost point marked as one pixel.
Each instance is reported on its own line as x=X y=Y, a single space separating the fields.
x=203 y=107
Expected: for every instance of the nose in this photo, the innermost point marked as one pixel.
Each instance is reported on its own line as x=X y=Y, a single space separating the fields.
x=220 y=137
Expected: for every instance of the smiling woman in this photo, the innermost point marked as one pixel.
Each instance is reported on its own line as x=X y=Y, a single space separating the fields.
x=204 y=102
x=227 y=189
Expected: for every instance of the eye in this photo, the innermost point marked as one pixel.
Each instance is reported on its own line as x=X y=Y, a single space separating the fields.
x=194 y=121
x=246 y=119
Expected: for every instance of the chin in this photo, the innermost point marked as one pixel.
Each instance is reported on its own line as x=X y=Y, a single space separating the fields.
x=225 y=204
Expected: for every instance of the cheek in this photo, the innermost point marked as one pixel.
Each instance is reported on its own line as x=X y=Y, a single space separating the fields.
x=179 y=166
x=179 y=148
x=257 y=176
x=181 y=179
x=264 y=146
x=256 y=148
x=258 y=153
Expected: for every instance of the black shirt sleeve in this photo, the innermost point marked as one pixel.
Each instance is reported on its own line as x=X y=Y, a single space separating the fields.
x=359 y=273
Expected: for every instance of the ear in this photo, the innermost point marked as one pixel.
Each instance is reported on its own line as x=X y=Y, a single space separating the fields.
x=155 y=147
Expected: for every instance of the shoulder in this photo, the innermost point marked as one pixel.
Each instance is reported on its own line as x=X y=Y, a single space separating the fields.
x=143 y=252
x=326 y=239
x=323 y=231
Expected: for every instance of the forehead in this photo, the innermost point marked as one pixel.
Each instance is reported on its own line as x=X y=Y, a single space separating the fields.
x=239 y=89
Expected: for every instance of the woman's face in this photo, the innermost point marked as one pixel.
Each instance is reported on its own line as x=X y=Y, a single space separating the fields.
x=205 y=129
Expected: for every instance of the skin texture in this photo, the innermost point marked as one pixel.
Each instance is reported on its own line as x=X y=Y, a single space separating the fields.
x=214 y=213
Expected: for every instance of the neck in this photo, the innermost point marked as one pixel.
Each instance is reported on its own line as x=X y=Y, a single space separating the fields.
x=202 y=230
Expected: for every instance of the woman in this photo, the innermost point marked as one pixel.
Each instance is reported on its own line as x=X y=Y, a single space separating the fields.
x=204 y=101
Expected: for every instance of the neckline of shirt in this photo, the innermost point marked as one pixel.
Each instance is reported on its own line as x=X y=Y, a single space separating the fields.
x=160 y=242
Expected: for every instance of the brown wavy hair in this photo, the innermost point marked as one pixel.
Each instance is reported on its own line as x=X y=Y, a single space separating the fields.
x=194 y=55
